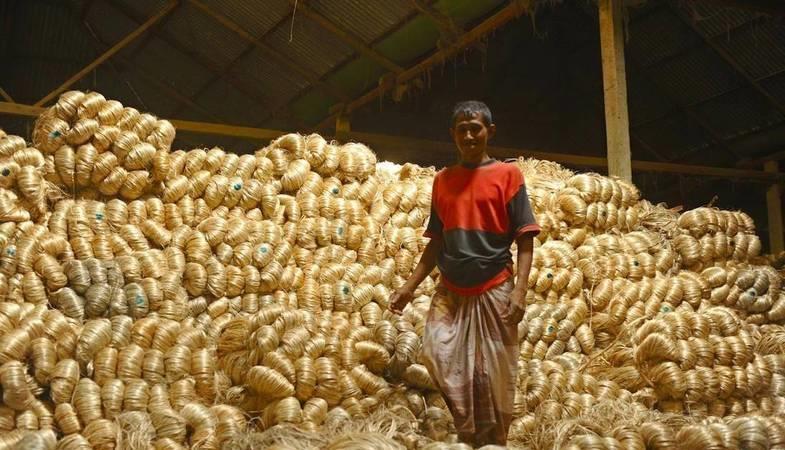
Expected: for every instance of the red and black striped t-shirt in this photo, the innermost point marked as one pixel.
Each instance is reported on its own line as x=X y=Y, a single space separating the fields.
x=478 y=211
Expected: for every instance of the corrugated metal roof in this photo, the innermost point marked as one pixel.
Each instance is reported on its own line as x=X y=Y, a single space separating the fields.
x=695 y=76
x=759 y=50
x=714 y=20
x=367 y=19
x=44 y=51
x=226 y=101
x=257 y=17
x=144 y=7
x=109 y=24
x=738 y=112
x=309 y=45
x=658 y=35
x=645 y=103
x=180 y=71
x=273 y=81
x=676 y=134
x=193 y=28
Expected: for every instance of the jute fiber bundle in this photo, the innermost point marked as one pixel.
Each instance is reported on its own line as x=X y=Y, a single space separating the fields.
x=203 y=299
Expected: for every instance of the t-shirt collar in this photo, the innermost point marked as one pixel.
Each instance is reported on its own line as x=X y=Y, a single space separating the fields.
x=468 y=165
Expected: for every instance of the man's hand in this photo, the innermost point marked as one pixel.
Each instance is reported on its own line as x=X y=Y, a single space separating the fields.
x=517 y=304
x=400 y=298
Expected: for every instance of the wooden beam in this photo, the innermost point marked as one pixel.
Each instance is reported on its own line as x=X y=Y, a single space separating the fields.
x=505 y=15
x=774 y=208
x=446 y=150
x=614 y=76
x=109 y=53
x=438 y=150
x=5 y=96
x=18 y=109
x=184 y=125
x=282 y=59
x=346 y=36
x=342 y=127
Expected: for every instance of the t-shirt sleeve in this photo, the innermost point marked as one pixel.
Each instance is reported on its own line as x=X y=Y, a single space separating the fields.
x=519 y=209
x=435 y=225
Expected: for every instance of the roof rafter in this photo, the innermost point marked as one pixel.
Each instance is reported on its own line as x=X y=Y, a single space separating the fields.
x=346 y=36
x=206 y=63
x=440 y=147
x=110 y=52
x=729 y=59
x=339 y=66
x=506 y=14
x=217 y=76
x=5 y=95
x=273 y=53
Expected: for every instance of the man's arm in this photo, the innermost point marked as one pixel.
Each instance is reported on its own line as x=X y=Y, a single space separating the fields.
x=403 y=295
x=525 y=244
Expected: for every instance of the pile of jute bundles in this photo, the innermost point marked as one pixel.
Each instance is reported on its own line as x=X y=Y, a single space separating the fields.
x=668 y=336
x=193 y=299
x=154 y=294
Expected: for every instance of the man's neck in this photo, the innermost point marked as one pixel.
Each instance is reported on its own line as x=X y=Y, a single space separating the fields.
x=482 y=158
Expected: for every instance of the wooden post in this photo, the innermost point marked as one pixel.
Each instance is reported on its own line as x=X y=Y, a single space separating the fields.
x=774 y=206
x=5 y=95
x=342 y=127
x=617 y=126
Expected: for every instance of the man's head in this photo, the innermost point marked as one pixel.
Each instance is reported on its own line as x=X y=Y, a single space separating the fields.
x=471 y=127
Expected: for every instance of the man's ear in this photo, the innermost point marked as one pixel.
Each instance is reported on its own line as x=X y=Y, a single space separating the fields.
x=491 y=130
x=452 y=133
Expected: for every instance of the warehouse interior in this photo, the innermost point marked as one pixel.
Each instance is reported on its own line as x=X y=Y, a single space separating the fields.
x=706 y=80
x=705 y=95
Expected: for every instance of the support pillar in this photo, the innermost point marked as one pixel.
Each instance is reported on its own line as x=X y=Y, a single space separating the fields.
x=617 y=126
x=774 y=207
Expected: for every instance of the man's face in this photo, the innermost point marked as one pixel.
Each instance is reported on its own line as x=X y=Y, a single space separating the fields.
x=471 y=135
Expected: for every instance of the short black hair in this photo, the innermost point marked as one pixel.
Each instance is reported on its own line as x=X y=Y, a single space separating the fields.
x=471 y=108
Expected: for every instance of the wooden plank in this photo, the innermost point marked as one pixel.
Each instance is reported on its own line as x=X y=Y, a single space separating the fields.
x=109 y=53
x=380 y=142
x=774 y=207
x=505 y=15
x=226 y=130
x=614 y=77
x=5 y=96
x=342 y=127
x=18 y=109
x=346 y=36
x=282 y=59
x=446 y=150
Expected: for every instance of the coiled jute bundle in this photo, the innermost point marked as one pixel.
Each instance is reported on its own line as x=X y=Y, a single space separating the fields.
x=140 y=284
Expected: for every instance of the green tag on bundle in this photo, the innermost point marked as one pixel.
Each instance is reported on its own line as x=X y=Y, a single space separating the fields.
x=99 y=216
x=139 y=299
x=237 y=186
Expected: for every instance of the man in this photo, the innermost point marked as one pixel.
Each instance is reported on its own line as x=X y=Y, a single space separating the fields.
x=479 y=207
